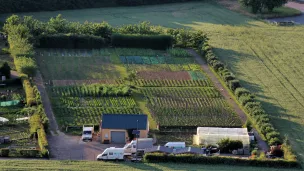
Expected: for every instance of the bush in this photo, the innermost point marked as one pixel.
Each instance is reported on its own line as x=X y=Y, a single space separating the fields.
x=194 y=159
x=226 y=145
x=71 y=41
x=29 y=92
x=4 y=152
x=233 y=84
x=241 y=91
x=26 y=66
x=245 y=99
x=29 y=153
x=160 y=42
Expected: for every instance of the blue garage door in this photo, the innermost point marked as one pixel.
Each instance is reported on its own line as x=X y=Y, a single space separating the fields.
x=118 y=137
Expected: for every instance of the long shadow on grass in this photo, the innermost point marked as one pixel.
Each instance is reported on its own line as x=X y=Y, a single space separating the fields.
x=286 y=122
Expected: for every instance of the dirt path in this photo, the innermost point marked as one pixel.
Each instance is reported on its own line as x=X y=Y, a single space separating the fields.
x=47 y=104
x=262 y=144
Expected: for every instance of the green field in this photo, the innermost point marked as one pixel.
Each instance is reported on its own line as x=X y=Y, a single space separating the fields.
x=109 y=166
x=267 y=59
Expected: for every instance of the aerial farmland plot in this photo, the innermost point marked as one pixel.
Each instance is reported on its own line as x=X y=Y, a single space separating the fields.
x=175 y=90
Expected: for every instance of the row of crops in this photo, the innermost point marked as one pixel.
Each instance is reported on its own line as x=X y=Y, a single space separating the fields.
x=186 y=106
x=190 y=117
x=185 y=92
x=77 y=116
x=172 y=83
x=110 y=102
x=95 y=90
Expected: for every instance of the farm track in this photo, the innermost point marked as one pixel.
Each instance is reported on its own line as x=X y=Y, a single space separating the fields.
x=262 y=144
x=46 y=103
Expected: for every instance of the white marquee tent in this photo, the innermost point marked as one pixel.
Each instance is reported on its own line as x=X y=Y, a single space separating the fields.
x=212 y=135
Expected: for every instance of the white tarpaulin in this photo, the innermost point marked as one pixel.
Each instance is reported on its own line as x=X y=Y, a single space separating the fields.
x=3 y=119
x=22 y=119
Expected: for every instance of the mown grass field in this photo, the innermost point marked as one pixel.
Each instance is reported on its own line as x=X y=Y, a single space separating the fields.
x=267 y=59
x=109 y=166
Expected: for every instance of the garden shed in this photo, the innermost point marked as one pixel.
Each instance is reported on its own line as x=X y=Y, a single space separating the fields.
x=212 y=135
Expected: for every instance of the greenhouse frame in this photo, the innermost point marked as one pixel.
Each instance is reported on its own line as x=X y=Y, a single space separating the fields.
x=212 y=135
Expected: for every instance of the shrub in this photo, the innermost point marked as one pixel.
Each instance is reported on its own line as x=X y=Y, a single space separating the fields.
x=194 y=159
x=29 y=153
x=4 y=152
x=226 y=145
x=272 y=134
x=71 y=41
x=248 y=125
x=26 y=66
x=29 y=92
x=274 y=141
x=233 y=84
x=161 y=42
x=245 y=99
x=241 y=91
x=227 y=78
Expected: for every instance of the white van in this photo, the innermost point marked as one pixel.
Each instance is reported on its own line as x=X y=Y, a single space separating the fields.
x=175 y=145
x=112 y=153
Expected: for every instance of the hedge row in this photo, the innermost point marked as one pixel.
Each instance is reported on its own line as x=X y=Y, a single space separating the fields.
x=21 y=48
x=60 y=33
x=197 y=159
x=12 y=6
x=247 y=100
x=29 y=153
x=160 y=42
x=71 y=41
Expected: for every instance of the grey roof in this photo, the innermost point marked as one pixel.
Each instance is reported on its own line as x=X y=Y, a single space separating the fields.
x=191 y=150
x=161 y=149
x=124 y=121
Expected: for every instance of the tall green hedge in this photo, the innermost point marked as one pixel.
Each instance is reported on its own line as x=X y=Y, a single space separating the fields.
x=160 y=42
x=197 y=159
x=71 y=41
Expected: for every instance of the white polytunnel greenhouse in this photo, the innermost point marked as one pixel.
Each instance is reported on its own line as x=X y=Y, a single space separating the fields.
x=212 y=135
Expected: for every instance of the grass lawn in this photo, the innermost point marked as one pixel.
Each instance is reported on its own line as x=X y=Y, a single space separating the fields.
x=109 y=166
x=267 y=59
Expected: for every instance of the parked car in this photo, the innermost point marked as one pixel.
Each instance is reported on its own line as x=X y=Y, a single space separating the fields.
x=175 y=145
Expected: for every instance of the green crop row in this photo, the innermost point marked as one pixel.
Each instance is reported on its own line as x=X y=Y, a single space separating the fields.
x=88 y=115
x=172 y=83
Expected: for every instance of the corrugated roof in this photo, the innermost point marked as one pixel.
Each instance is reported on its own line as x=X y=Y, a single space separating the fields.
x=124 y=121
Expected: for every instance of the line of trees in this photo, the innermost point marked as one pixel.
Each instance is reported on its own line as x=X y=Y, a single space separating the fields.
x=258 y=5
x=12 y=6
